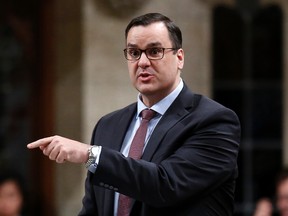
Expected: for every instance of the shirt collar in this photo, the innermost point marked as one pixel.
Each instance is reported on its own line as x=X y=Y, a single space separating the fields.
x=161 y=106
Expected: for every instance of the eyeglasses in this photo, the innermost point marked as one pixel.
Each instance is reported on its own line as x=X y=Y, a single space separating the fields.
x=134 y=54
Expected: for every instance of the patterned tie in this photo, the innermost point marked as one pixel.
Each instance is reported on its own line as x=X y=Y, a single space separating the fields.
x=135 y=152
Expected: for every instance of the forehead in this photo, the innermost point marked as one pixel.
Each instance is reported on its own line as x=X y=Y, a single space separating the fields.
x=155 y=33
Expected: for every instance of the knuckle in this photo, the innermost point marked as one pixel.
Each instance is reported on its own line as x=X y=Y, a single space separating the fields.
x=56 y=139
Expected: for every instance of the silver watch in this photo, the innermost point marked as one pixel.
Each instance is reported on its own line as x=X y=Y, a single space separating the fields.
x=91 y=157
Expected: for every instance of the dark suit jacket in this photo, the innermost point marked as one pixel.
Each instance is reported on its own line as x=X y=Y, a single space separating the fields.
x=189 y=166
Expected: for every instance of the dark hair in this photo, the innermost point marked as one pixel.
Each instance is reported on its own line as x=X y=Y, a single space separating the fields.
x=149 y=18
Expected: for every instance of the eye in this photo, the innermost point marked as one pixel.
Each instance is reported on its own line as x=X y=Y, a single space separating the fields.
x=154 y=52
x=134 y=53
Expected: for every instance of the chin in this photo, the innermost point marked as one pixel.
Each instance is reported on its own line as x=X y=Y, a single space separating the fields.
x=146 y=88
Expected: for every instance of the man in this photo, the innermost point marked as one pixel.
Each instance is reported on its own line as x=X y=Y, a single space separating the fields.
x=189 y=161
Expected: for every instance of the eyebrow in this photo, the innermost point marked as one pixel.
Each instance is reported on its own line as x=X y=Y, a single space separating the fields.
x=153 y=44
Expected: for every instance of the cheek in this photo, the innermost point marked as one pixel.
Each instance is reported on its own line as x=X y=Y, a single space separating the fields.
x=169 y=71
x=171 y=64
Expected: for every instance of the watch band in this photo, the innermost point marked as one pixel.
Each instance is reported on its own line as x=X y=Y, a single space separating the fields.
x=93 y=155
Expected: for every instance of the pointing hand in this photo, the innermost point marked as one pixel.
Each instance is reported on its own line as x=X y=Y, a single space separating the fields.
x=62 y=149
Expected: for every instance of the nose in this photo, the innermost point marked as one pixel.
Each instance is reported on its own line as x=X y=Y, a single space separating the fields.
x=143 y=62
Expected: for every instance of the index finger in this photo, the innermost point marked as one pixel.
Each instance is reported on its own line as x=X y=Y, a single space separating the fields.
x=41 y=142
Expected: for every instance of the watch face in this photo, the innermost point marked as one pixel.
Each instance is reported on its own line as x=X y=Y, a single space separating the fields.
x=94 y=151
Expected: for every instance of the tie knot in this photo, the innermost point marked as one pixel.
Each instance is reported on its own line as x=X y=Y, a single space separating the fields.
x=147 y=114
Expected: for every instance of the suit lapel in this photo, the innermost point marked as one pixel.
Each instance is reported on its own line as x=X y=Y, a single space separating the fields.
x=121 y=127
x=177 y=111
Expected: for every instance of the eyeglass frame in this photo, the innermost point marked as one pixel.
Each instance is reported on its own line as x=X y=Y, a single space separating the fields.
x=141 y=51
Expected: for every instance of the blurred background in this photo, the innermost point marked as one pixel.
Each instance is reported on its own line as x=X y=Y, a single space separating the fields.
x=62 y=68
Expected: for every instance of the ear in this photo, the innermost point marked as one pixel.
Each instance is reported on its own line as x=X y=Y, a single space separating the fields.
x=180 y=56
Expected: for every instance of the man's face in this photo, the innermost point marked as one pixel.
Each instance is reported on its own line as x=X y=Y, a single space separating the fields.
x=154 y=79
x=282 y=198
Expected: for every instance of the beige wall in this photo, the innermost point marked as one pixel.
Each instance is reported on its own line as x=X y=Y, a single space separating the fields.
x=91 y=72
x=68 y=96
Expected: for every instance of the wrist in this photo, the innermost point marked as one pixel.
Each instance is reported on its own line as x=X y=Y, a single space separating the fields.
x=86 y=158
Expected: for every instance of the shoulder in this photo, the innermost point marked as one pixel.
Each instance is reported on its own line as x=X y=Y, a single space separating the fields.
x=213 y=109
x=123 y=115
x=198 y=102
x=131 y=108
x=202 y=107
x=112 y=122
x=210 y=105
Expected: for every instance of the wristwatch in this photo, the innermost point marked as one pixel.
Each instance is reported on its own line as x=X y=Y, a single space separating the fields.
x=93 y=152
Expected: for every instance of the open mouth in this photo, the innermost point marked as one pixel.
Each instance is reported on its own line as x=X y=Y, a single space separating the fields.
x=145 y=76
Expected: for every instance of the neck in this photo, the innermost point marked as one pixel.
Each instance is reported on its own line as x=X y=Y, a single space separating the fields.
x=150 y=99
